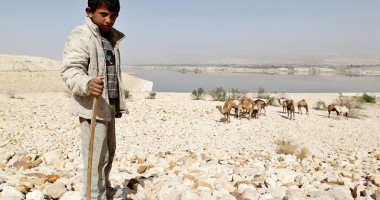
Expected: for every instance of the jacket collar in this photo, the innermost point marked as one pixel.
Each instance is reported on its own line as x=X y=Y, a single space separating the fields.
x=117 y=35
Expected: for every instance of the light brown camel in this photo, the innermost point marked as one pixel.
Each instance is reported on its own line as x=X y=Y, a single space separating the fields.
x=290 y=109
x=301 y=104
x=262 y=104
x=246 y=104
x=283 y=104
x=226 y=110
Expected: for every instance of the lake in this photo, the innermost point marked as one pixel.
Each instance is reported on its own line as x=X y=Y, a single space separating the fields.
x=174 y=81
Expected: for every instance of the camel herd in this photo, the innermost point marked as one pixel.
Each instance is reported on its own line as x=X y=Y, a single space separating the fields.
x=254 y=108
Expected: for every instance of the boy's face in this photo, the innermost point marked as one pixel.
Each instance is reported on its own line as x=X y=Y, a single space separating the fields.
x=102 y=17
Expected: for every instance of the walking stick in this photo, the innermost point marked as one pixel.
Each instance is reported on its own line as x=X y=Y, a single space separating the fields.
x=91 y=147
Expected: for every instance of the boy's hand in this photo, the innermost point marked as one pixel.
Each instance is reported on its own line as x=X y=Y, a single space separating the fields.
x=95 y=86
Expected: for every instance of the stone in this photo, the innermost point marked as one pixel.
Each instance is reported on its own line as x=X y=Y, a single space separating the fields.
x=71 y=195
x=12 y=193
x=227 y=197
x=200 y=185
x=55 y=190
x=51 y=156
x=286 y=176
x=52 y=178
x=277 y=192
x=188 y=194
x=35 y=195
x=229 y=187
x=142 y=169
x=250 y=194
x=340 y=193
x=376 y=180
x=377 y=194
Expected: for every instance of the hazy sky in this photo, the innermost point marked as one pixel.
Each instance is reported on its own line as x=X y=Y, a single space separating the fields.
x=207 y=31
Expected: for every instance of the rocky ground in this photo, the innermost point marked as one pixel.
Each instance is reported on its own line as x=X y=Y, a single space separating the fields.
x=174 y=147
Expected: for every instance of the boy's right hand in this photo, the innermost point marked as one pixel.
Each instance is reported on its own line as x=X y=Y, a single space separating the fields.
x=95 y=86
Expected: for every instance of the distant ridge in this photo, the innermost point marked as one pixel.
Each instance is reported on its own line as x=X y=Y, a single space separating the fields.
x=10 y=62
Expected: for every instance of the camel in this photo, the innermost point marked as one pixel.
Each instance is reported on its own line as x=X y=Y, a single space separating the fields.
x=332 y=107
x=226 y=110
x=256 y=108
x=344 y=111
x=301 y=104
x=290 y=109
x=246 y=104
x=262 y=104
x=283 y=104
x=340 y=110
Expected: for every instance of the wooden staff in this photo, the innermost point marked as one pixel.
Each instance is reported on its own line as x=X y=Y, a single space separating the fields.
x=91 y=147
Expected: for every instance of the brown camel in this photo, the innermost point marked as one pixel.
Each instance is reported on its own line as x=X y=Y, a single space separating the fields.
x=246 y=104
x=340 y=110
x=332 y=107
x=226 y=110
x=301 y=104
x=262 y=104
x=283 y=104
x=290 y=109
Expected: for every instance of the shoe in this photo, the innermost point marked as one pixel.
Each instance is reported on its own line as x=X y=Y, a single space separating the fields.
x=116 y=192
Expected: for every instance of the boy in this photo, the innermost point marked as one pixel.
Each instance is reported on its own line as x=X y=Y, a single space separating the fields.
x=91 y=69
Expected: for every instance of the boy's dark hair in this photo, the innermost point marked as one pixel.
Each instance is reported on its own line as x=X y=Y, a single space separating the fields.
x=112 y=5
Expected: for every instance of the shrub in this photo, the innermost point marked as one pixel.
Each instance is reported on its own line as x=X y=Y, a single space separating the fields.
x=218 y=94
x=11 y=95
x=151 y=95
x=320 y=105
x=261 y=93
x=198 y=93
x=237 y=94
x=350 y=102
x=286 y=147
x=127 y=94
x=368 y=98
x=304 y=153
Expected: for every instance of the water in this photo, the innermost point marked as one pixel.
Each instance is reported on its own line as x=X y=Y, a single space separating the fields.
x=173 y=81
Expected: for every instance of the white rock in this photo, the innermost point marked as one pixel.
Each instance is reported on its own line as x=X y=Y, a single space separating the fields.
x=35 y=195
x=227 y=197
x=72 y=195
x=55 y=190
x=277 y=192
x=12 y=193
x=189 y=195
x=286 y=176
x=250 y=194
x=51 y=156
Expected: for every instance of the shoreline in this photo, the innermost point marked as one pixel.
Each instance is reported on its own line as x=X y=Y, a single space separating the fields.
x=321 y=70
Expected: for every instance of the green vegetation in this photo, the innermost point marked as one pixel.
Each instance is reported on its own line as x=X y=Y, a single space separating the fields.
x=151 y=95
x=198 y=93
x=368 y=98
x=218 y=94
x=127 y=94
x=236 y=94
x=320 y=105
x=261 y=93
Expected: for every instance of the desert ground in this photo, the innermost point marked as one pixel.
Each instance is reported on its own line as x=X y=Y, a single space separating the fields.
x=175 y=147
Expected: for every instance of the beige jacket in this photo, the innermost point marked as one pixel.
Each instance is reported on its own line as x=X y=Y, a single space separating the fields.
x=83 y=59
